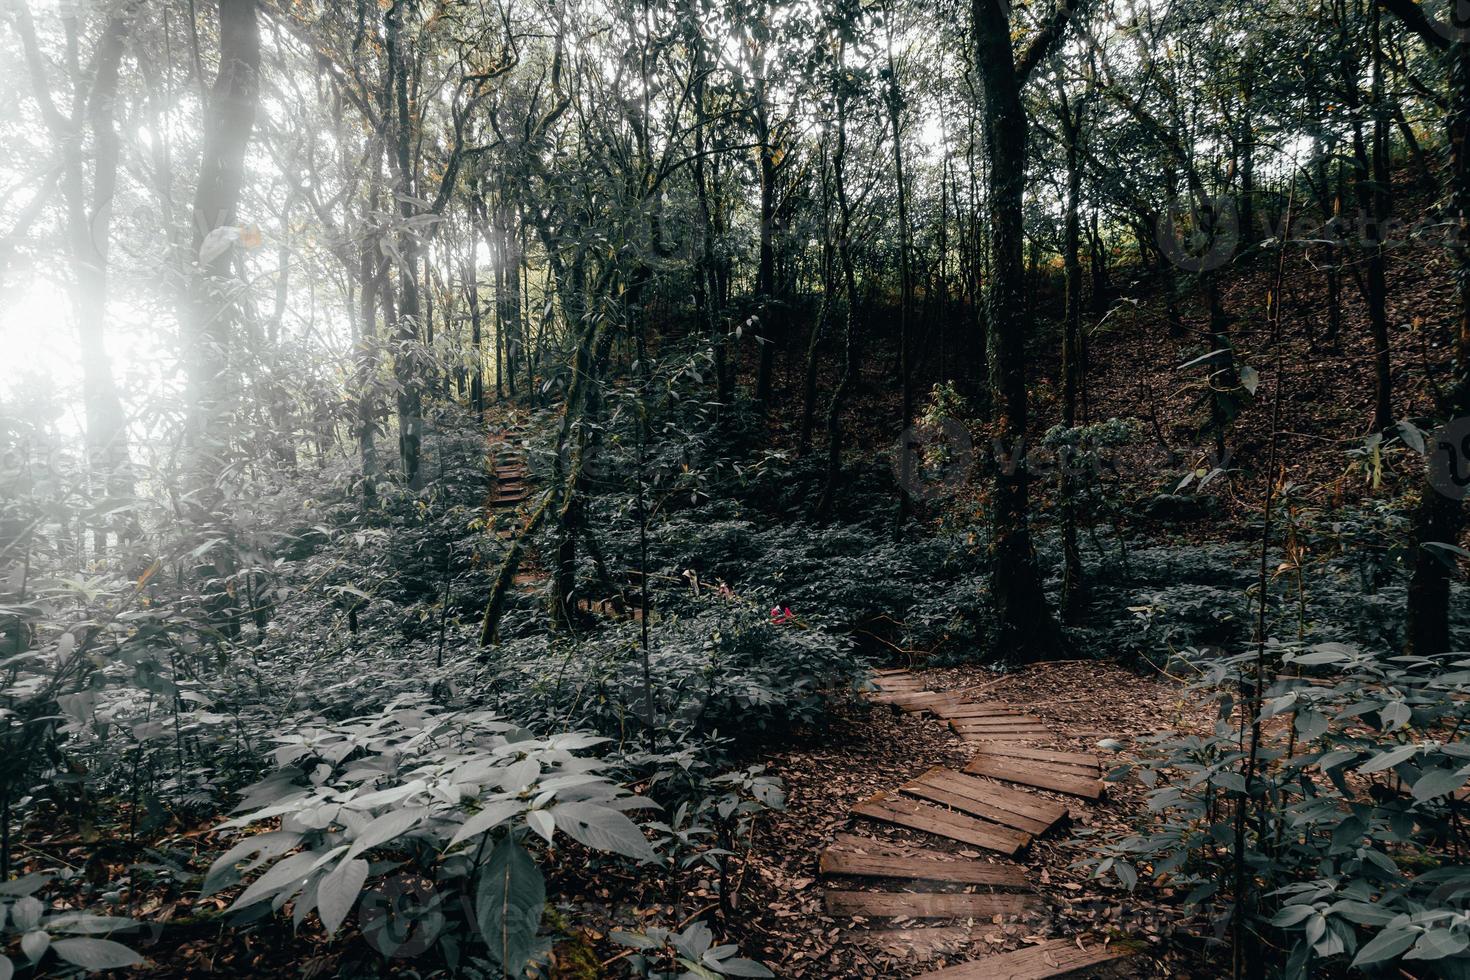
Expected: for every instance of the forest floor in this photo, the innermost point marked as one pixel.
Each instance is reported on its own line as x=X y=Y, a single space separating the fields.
x=868 y=748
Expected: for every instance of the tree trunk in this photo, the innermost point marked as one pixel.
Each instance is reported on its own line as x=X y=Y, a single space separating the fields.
x=406 y=366
x=905 y=270
x=1073 y=585
x=849 y=280
x=1025 y=627
x=1441 y=514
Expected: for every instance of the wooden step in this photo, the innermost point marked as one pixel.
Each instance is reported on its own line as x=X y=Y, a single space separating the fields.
x=899 y=684
x=1003 y=729
x=890 y=671
x=842 y=860
x=1065 y=760
x=921 y=942
x=989 y=801
x=894 y=809
x=971 y=709
x=1005 y=738
x=1057 y=958
x=996 y=721
x=912 y=703
x=1037 y=774
x=928 y=905
x=936 y=696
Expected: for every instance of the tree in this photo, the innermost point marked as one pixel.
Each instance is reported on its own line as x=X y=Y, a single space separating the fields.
x=1439 y=518
x=88 y=222
x=1026 y=628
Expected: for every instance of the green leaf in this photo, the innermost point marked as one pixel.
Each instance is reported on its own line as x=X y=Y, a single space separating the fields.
x=1436 y=944
x=602 y=828
x=1437 y=782
x=338 y=891
x=383 y=829
x=35 y=943
x=95 y=954
x=283 y=874
x=1386 y=945
x=1389 y=759
x=737 y=967
x=510 y=896
x=26 y=912
x=1394 y=715
x=492 y=816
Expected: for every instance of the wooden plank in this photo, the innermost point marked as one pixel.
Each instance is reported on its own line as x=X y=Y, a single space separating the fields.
x=1076 y=760
x=984 y=709
x=927 y=905
x=841 y=861
x=890 y=671
x=1057 y=958
x=904 y=701
x=1035 y=774
x=1005 y=738
x=1004 y=721
x=898 y=684
x=917 y=697
x=894 y=809
x=922 y=942
x=1019 y=728
x=987 y=800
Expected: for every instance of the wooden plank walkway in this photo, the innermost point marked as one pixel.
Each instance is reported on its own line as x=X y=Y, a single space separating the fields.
x=848 y=857
x=894 y=809
x=993 y=804
x=981 y=798
x=928 y=905
x=1057 y=958
x=1039 y=774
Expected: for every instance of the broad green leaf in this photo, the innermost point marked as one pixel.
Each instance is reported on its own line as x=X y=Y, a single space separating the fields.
x=35 y=943
x=1389 y=759
x=1385 y=946
x=95 y=954
x=603 y=829
x=1438 y=782
x=510 y=896
x=737 y=967
x=283 y=873
x=338 y=891
x=385 y=828
x=493 y=815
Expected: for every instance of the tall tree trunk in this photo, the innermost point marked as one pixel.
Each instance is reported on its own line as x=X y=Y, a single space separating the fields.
x=824 y=312
x=1440 y=517
x=1026 y=629
x=406 y=363
x=771 y=312
x=1073 y=585
x=849 y=281
x=88 y=232
x=210 y=315
x=905 y=269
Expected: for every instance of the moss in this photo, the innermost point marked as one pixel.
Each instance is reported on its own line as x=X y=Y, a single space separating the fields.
x=573 y=958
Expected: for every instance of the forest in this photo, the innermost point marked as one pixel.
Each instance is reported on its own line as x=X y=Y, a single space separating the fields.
x=734 y=488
